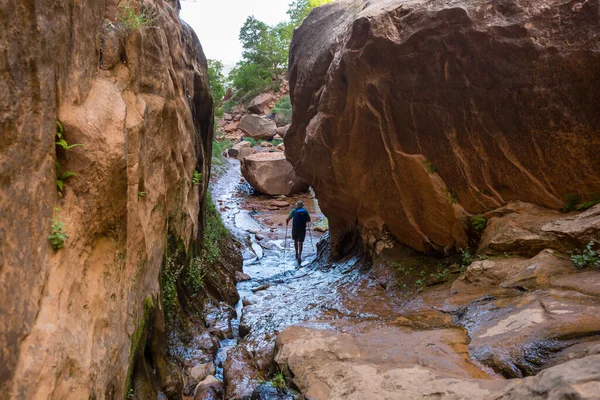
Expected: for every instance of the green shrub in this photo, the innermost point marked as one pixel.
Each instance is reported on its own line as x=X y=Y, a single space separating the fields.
x=284 y=107
x=588 y=257
x=478 y=222
x=194 y=276
x=278 y=381
x=228 y=106
x=58 y=236
x=250 y=140
x=132 y=18
x=452 y=198
x=219 y=112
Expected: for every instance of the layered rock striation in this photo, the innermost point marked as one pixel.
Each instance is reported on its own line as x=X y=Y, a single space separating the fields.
x=410 y=115
x=78 y=321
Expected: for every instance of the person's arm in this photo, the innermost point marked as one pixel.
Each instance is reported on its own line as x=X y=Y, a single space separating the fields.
x=287 y=221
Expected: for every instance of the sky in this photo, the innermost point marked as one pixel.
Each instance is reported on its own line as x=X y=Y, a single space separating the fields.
x=217 y=23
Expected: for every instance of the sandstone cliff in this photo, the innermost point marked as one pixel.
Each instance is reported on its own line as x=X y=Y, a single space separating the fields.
x=128 y=81
x=410 y=115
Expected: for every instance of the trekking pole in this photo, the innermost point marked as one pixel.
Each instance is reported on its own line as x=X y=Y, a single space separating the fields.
x=285 y=241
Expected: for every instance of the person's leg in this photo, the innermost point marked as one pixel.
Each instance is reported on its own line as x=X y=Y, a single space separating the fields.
x=300 y=245
x=296 y=247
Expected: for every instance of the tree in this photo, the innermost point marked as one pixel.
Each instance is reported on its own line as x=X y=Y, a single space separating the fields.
x=216 y=80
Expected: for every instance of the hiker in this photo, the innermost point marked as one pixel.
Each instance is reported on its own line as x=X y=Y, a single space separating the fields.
x=300 y=218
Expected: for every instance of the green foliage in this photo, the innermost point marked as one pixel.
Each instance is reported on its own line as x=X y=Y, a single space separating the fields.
x=228 y=106
x=276 y=142
x=196 y=178
x=141 y=195
x=284 y=107
x=194 y=277
x=587 y=258
x=219 y=112
x=216 y=80
x=132 y=18
x=58 y=236
x=452 y=199
x=278 y=381
x=250 y=140
x=61 y=177
x=218 y=148
x=430 y=167
x=577 y=202
x=299 y=9
x=466 y=257
x=61 y=142
x=170 y=274
x=478 y=222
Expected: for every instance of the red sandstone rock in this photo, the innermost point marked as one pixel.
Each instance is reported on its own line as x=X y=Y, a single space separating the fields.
x=272 y=174
x=410 y=114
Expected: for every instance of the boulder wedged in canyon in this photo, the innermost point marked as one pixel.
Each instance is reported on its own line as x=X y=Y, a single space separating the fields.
x=409 y=116
x=272 y=174
x=80 y=321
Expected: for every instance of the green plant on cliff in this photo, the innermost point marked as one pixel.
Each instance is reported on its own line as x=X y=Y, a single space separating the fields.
x=577 y=202
x=587 y=258
x=133 y=17
x=60 y=138
x=466 y=257
x=284 y=107
x=196 y=178
x=478 y=222
x=170 y=274
x=452 y=198
x=58 y=236
x=278 y=381
x=61 y=177
x=430 y=167
x=194 y=276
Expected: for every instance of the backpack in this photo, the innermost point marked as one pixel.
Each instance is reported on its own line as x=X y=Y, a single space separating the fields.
x=300 y=218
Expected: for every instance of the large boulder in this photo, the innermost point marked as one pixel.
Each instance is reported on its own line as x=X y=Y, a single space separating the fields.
x=257 y=127
x=272 y=174
x=261 y=103
x=408 y=114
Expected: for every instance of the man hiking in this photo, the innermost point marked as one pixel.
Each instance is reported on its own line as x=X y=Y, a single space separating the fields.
x=300 y=218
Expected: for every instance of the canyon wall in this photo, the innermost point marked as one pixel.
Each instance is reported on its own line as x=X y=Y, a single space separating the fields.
x=410 y=116
x=127 y=81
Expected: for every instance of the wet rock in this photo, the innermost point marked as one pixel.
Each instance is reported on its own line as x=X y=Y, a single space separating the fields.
x=239 y=374
x=246 y=302
x=209 y=389
x=340 y=360
x=201 y=371
x=263 y=287
x=272 y=174
x=521 y=313
x=242 y=277
x=363 y=77
x=527 y=229
x=261 y=103
x=266 y=391
x=257 y=127
x=576 y=379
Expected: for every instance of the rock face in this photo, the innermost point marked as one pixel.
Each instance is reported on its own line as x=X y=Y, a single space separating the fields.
x=76 y=321
x=240 y=150
x=257 y=127
x=272 y=174
x=409 y=115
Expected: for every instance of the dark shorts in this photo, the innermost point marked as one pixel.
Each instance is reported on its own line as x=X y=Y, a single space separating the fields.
x=298 y=233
